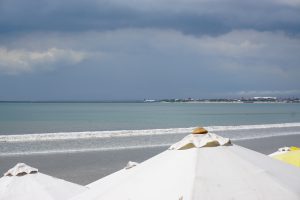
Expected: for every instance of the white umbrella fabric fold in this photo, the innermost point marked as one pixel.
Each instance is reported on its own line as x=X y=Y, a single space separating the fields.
x=25 y=183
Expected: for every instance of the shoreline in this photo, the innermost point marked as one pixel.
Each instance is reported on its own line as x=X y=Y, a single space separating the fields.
x=86 y=167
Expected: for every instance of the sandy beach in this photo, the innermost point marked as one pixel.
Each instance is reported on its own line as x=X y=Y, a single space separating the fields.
x=86 y=167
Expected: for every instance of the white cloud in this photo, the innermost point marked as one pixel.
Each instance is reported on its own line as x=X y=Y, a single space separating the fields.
x=247 y=53
x=19 y=60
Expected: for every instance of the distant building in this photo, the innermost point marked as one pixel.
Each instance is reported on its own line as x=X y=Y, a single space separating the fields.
x=149 y=100
x=265 y=98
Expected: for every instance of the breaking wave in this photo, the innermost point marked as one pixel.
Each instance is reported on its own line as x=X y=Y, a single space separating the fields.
x=74 y=142
x=148 y=132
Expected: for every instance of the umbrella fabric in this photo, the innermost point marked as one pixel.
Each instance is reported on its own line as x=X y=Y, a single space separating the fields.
x=214 y=171
x=25 y=183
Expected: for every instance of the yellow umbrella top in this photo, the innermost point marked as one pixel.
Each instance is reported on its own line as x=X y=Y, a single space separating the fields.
x=292 y=156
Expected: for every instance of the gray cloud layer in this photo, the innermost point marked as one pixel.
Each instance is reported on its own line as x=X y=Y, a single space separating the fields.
x=190 y=16
x=148 y=49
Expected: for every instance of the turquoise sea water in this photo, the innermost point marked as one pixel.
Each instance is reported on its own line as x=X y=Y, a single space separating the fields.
x=25 y=118
x=30 y=128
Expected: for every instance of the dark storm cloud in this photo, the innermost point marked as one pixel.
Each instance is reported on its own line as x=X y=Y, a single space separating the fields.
x=193 y=17
x=44 y=15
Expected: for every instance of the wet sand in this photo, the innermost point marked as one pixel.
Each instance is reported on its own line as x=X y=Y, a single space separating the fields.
x=82 y=167
x=86 y=167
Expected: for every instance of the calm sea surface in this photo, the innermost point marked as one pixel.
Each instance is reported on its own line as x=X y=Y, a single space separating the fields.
x=25 y=118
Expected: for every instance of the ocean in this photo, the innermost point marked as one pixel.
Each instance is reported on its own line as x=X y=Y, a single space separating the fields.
x=39 y=128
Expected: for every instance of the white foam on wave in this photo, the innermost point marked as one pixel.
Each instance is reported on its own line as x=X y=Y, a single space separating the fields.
x=250 y=137
x=260 y=126
x=63 y=151
x=91 y=134
x=83 y=150
x=131 y=133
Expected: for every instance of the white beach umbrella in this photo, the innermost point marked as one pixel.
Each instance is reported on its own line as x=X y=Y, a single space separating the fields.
x=201 y=167
x=25 y=183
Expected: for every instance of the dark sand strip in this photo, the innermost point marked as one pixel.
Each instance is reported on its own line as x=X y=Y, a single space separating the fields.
x=270 y=144
x=82 y=167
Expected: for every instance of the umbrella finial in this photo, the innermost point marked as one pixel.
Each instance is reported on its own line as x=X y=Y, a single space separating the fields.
x=131 y=164
x=200 y=130
x=21 y=169
x=199 y=141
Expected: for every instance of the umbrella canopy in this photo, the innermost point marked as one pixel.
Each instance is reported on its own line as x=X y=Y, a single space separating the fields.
x=25 y=183
x=201 y=167
x=290 y=155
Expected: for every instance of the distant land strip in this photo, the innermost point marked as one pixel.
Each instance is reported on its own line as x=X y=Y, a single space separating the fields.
x=184 y=100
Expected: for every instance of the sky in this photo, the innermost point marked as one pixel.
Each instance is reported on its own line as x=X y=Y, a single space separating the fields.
x=148 y=49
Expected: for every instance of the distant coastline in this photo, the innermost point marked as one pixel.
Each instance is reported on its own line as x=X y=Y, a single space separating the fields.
x=229 y=100
x=184 y=100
